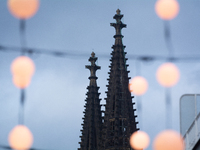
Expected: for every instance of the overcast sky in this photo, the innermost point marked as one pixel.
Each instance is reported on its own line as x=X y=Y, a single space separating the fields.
x=56 y=96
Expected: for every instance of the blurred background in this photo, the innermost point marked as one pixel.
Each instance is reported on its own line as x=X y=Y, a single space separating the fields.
x=55 y=98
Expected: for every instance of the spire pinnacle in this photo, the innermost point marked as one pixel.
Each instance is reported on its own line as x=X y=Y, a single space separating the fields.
x=93 y=68
x=118 y=11
x=92 y=120
x=119 y=119
x=93 y=54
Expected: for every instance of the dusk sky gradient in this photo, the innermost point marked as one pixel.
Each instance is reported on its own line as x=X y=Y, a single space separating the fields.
x=55 y=99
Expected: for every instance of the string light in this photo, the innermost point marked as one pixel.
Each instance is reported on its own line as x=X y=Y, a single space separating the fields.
x=23 y=9
x=167 y=9
x=20 y=138
x=168 y=140
x=29 y=9
x=83 y=55
x=22 y=69
x=139 y=140
x=168 y=74
x=138 y=85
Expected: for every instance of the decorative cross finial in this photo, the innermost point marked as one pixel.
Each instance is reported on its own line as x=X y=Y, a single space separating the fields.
x=118 y=11
x=93 y=68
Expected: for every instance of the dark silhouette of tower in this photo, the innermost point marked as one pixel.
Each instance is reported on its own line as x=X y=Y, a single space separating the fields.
x=113 y=130
x=92 y=120
x=119 y=120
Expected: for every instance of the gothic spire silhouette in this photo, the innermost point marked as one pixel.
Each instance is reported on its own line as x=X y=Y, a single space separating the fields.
x=119 y=120
x=92 y=120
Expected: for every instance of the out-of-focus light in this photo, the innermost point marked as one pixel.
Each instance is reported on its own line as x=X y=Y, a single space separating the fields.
x=21 y=82
x=168 y=140
x=20 y=138
x=22 y=67
x=168 y=74
x=167 y=9
x=139 y=140
x=23 y=9
x=138 y=85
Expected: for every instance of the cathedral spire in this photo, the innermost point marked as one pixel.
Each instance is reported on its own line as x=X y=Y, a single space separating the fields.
x=92 y=121
x=93 y=68
x=119 y=119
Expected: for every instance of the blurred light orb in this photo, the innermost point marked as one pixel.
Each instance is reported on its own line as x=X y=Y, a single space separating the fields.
x=20 y=138
x=22 y=67
x=168 y=74
x=23 y=9
x=168 y=140
x=21 y=82
x=167 y=9
x=138 y=85
x=139 y=140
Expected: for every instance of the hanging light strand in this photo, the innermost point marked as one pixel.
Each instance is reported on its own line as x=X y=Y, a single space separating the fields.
x=167 y=36
x=70 y=54
x=168 y=107
x=23 y=36
x=21 y=109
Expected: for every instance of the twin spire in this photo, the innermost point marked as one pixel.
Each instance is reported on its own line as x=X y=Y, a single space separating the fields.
x=92 y=120
x=112 y=130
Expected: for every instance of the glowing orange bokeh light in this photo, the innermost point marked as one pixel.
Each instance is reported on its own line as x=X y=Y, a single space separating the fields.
x=168 y=74
x=167 y=9
x=138 y=85
x=21 y=82
x=139 y=140
x=22 y=67
x=168 y=140
x=20 y=138
x=23 y=9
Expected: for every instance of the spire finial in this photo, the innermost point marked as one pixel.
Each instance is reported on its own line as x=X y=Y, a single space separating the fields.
x=118 y=11
x=93 y=54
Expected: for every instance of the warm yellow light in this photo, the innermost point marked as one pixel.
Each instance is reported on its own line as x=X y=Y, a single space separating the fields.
x=22 y=67
x=167 y=9
x=139 y=140
x=138 y=85
x=167 y=75
x=21 y=82
x=168 y=140
x=20 y=138
x=23 y=9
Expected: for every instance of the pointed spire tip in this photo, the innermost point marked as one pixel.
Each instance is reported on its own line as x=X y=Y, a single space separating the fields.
x=93 y=54
x=118 y=11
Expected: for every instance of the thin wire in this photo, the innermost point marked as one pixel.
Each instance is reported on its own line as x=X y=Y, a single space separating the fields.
x=167 y=34
x=21 y=108
x=84 y=55
x=23 y=36
x=168 y=108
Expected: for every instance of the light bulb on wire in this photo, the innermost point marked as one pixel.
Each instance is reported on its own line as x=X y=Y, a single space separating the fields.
x=22 y=69
x=138 y=85
x=167 y=9
x=23 y=9
x=168 y=140
x=168 y=74
x=139 y=140
x=20 y=138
